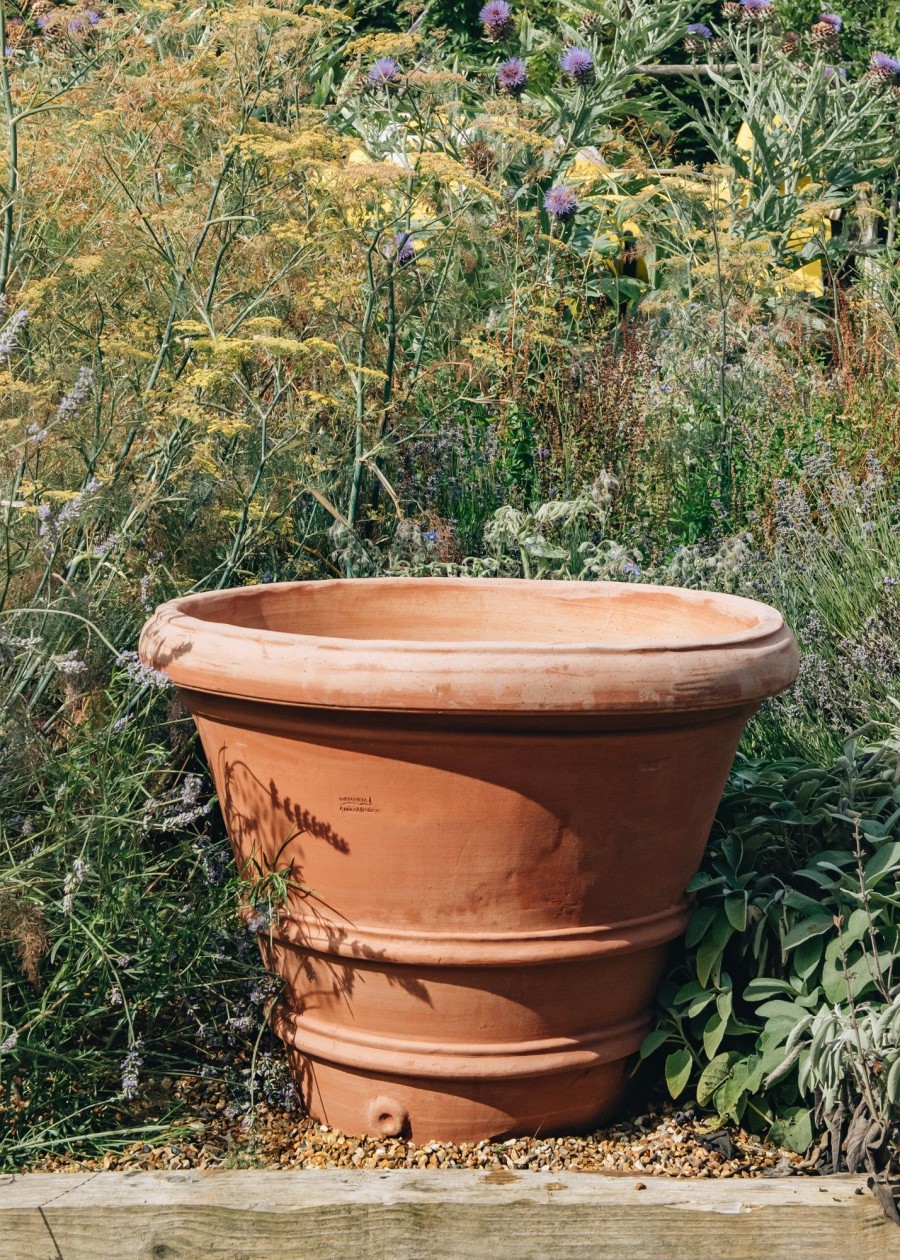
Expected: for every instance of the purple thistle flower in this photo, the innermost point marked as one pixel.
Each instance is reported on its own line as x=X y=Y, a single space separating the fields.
x=561 y=203
x=401 y=249
x=699 y=30
x=880 y=64
x=578 y=64
x=497 y=20
x=831 y=19
x=834 y=72
x=512 y=76
x=759 y=9
x=384 y=72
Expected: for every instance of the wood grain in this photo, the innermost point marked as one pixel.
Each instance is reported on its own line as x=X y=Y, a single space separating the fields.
x=450 y=1215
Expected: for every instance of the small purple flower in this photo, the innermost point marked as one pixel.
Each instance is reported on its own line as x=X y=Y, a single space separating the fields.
x=260 y=918
x=497 y=20
x=561 y=203
x=831 y=19
x=9 y=333
x=401 y=249
x=578 y=64
x=699 y=31
x=140 y=674
x=384 y=72
x=512 y=76
x=431 y=535
x=75 y=399
x=131 y=1069
x=834 y=72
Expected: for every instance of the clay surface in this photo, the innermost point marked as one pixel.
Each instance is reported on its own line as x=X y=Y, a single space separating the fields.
x=491 y=796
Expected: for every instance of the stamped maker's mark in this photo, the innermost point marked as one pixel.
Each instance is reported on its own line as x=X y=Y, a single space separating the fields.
x=357 y=805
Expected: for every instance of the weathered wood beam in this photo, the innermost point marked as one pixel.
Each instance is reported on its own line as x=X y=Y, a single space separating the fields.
x=445 y=1215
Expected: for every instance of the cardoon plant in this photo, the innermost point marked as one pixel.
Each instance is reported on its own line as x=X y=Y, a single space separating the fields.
x=577 y=64
x=512 y=76
x=496 y=20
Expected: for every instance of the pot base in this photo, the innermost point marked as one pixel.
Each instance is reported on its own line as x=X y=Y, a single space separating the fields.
x=359 y=1103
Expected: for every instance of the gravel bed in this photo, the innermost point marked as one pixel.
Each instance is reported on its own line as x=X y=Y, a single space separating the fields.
x=662 y=1143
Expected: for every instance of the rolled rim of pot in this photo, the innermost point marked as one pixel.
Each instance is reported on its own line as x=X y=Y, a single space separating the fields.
x=474 y=645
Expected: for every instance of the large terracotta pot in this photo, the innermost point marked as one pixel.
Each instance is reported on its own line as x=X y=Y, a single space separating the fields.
x=493 y=794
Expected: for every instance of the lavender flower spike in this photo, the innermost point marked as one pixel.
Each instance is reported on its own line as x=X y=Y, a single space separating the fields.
x=578 y=64
x=9 y=333
x=77 y=395
x=561 y=203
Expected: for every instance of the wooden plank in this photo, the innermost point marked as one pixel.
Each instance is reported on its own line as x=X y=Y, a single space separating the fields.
x=448 y=1215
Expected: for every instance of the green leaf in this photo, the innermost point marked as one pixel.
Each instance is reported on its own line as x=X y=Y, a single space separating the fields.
x=763 y=987
x=725 y=1004
x=790 y=1010
x=699 y=925
x=736 y=910
x=885 y=861
x=709 y=956
x=815 y=925
x=799 y=901
x=856 y=927
x=729 y=1098
x=688 y=992
x=838 y=985
x=807 y=958
x=653 y=1041
x=700 y=1004
x=678 y=1071
x=713 y=1034
x=892 y=1085
x=714 y=1076
x=794 y=1130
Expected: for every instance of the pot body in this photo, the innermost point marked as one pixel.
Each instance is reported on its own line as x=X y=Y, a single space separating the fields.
x=481 y=900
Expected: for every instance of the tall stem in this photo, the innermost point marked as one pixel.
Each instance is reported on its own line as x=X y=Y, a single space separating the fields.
x=12 y=175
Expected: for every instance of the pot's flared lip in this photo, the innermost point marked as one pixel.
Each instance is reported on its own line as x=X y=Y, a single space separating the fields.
x=473 y=644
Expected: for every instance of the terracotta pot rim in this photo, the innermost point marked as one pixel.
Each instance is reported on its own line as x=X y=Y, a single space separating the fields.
x=380 y=1055
x=421 y=947
x=231 y=655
